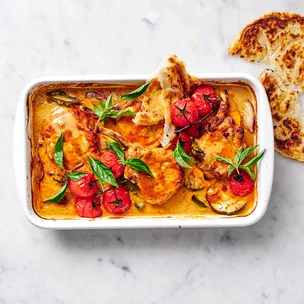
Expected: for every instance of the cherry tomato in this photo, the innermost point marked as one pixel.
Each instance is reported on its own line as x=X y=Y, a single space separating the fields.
x=205 y=99
x=85 y=187
x=196 y=130
x=183 y=113
x=184 y=140
x=241 y=184
x=111 y=161
x=116 y=200
x=88 y=206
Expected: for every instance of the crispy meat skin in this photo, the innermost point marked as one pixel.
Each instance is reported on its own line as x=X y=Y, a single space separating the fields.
x=147 y=136
x=168 y=175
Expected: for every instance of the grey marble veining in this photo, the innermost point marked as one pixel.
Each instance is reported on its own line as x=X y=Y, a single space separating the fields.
x=259 y=264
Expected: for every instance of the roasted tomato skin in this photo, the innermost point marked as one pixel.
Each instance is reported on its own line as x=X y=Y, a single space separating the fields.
x=241 y=184
x=116 y=200
x=184 y=140
x=205 y=99
x=88 y=206
x=183 y=113
x=196 y=130
x=111 y=161
x=85 y=187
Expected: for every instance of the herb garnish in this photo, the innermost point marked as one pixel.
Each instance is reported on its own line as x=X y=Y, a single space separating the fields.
x=58 y=151
x=102 y=172
x=136 y=93
x=134 y=163
x=106 y=110
x=58 y=196
x=71 y=174
x=236 y=164
x=182 y=157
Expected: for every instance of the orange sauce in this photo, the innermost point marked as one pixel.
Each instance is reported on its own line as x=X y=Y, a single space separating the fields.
x=43 y=114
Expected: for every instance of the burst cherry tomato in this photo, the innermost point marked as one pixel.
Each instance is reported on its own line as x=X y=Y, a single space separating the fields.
x=85 y=187
x=184 y=140
x=116 y=200
x=196 y=130
x=88 y=206
x=205 y=99
x=241 y=184
x=183 y=113
x=111 y=161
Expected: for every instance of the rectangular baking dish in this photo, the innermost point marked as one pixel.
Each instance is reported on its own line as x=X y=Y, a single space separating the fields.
x=265 y=166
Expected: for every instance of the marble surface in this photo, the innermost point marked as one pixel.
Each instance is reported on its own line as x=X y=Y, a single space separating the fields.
x=259 y=264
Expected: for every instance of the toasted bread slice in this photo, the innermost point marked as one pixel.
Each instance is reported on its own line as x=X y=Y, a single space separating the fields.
x=172 y=83
x=278 y=39
x=287 y=118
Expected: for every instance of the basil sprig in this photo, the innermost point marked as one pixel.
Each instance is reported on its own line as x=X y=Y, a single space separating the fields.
x=58 y=196
x=240 y=156
x=102 y=172
x=73 y=175
x=58 y=152
x=182 y=157
x=105 y=111
x=137 y=164
x=134 y=163
x=115 y=147
x=136 y=93
x=76 y=176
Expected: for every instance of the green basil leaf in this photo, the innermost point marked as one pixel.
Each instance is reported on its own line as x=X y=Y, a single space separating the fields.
x=58 y=151
x=225 y=160
x=138 y=165
x=246 y=152
x=255 y=159
x=58 y=196
x=251 y=174
x=76 y=176
x=197 y=201
x=102 y=172
x=109 y=102
x=136 y=93
x=231 y=168
x=122 y=112
x=99 y=112
x=237 y=156
x=115 y=147
x=179 y=159
x=183 y=154
x=103 y=105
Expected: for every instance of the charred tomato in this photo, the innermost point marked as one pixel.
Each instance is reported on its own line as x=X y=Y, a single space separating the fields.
x=111 y=161
x=241 y=183
x=205 y=99
x=88 y=206
x=85 y=187
x=196 y=130
x=183 y=113
x=184 y=140
x=116 y=200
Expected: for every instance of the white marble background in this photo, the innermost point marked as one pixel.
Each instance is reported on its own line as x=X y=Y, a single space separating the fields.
x=259 y=264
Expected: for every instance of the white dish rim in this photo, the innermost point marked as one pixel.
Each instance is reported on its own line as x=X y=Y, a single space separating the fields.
x=266 y=166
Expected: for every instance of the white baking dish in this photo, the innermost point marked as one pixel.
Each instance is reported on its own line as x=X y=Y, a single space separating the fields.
x=265 y=167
